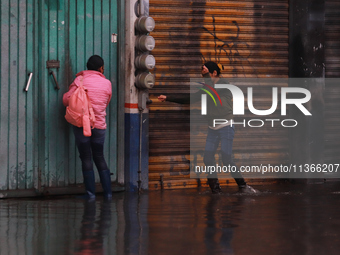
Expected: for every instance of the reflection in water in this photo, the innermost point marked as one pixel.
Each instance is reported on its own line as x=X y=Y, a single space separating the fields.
x=59 y=226
x=219 y=229
x=186 y=222
x=283 y=219
x=93 y=230
x=136 y=237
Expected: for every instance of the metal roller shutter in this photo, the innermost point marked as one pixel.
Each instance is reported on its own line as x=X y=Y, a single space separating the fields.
x=332 y=92
x=332 y=38
x=250 y=38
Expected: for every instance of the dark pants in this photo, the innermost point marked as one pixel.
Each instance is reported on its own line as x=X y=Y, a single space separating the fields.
x=225 y=136
x=91 y=148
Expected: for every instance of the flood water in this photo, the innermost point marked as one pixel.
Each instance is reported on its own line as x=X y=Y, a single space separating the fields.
x=283 y=219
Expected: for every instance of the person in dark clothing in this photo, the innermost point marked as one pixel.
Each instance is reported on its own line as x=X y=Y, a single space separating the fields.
x=223 y=133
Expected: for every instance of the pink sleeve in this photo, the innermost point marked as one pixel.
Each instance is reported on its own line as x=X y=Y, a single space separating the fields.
x=67 y=95
x=110 y=94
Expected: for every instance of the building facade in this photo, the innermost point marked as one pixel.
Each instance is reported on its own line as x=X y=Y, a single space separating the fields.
x=45 y=43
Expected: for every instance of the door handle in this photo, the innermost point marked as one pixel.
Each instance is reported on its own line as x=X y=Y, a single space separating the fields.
x=29 y=81
x=55 y=80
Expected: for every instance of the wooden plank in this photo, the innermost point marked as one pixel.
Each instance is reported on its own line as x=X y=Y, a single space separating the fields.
x=35 y=128
x=30 y=102
x=22 y=105
x=81 y=36
x=112 y=110
x=43 y=92
x=113 y=107
x=89 y=15
x=13 y=97
x=52 y=114
x=105 y=51
x=98 y=49
x=97 y=28
x=72 y=53
x=80 y=62
x=62 y=148
x=106 y=36
x=4 y=94
x=195 y=183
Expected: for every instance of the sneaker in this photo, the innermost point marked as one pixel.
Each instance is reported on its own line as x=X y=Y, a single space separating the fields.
x=214 y=185
x=248 y=189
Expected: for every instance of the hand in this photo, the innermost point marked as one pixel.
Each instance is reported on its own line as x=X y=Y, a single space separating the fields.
x=205 y=70
x=162 y=98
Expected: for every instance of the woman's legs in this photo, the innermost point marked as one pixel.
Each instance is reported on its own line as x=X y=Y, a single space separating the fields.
x=89 y=147
x=97 y=145
x=84 y=148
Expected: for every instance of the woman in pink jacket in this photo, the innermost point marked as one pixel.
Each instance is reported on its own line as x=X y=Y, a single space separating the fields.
x=99 y=91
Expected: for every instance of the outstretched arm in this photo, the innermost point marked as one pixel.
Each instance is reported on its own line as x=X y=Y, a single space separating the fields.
x=181 y=99
x=187 y=98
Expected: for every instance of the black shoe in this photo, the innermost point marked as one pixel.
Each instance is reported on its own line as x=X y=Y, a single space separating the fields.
x=90 y=186
x=216 y=190
x=105 y=179
x=214 y=186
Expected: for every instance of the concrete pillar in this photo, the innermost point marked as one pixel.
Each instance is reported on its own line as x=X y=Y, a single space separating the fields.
x=132 y=113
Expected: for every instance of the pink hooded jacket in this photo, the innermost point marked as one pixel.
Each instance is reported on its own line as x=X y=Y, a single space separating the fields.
x=99 y=91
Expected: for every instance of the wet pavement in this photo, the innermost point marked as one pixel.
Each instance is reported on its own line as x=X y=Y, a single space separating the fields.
x=283 y=219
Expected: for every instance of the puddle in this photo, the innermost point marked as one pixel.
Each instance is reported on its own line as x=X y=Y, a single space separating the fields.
x=282 y=219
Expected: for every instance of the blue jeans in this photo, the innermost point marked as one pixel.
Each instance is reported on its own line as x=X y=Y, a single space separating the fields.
x=225 y=136
x=91 y=147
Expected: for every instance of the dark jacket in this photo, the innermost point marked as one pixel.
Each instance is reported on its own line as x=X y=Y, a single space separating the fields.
x=224 y=111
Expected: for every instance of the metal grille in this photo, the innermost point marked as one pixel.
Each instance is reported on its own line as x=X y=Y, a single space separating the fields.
x=250 y=38
x=332 y=38
x=332 y=91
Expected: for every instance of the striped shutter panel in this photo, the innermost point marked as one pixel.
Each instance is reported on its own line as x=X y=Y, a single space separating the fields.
x=18 y=107
x=332 y=91
x=250 y=38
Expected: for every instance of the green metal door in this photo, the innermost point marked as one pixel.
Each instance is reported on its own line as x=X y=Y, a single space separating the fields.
x=72 y=32
x=37 y=146
x=17 y=100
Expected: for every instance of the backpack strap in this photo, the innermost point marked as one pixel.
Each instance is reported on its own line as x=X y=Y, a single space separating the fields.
x=91 y=112
x=81 y=81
